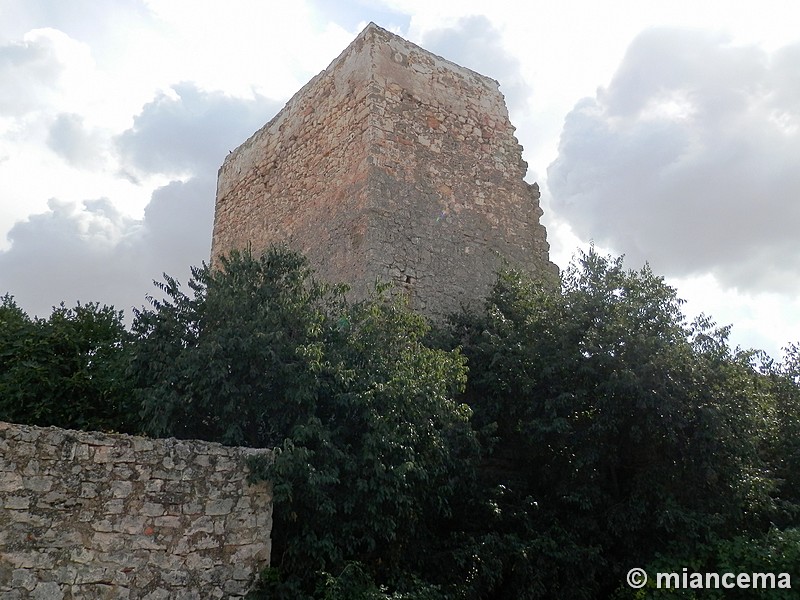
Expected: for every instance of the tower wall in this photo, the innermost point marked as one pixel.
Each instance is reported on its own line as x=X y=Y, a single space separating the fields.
x=392 y=164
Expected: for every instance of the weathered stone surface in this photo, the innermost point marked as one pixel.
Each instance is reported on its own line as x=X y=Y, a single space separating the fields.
x=395 y=164
x=68 y=530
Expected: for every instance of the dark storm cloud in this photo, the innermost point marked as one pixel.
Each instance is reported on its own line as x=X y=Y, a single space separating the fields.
x=29 y=71
x=690 y=159
x=476 y=44
x=92 y=252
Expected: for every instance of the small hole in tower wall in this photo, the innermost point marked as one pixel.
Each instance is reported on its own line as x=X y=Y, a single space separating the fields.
x=408 y=279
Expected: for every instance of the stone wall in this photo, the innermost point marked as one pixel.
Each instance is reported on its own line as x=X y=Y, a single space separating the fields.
x=392 y=164
x=90 y=515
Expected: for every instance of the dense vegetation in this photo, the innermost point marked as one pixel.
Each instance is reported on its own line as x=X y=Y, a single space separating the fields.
x=68 y=370
x=538 y=448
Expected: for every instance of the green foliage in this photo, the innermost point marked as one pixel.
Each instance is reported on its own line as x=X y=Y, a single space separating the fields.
x=68 y=370
x=597 y=431
x=369 y=446
x=609 y=429
x=775 y=552
x=784 y=451
x=368 y=476
x=610 y=426
x=214 y=365
x=352 y=582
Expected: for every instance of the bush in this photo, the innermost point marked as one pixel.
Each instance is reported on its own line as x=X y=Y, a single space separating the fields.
x=369 y=446
x=69 y=370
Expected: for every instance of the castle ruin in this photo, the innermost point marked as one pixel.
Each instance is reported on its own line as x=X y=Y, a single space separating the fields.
x=392 y=164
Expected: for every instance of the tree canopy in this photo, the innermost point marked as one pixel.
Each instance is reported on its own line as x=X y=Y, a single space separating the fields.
x=613 y=429
x=369 y=441
x=68 y=370
x=539 y=447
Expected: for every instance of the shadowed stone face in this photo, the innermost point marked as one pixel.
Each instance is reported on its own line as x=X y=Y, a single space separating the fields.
x=391 y=164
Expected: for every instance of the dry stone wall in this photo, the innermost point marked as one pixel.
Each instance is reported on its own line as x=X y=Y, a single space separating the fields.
x=392 y=164
x=90 y=515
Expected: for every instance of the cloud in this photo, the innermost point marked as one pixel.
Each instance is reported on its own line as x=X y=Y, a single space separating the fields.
x=352 y=15
x=688 y=160
x=77 y=18
x=92 y=251
x=70 y=253
x=71 y=140
x=191 y=130
x=477 y=44
x=29 y=73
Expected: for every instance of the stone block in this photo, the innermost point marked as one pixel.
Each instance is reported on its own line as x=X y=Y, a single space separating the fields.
x=428 y=125
x=17 y=502
x=47 y=591
x=121 y=489
x=219 y=507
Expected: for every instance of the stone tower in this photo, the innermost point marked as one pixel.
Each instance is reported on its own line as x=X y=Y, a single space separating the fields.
x=391 y=164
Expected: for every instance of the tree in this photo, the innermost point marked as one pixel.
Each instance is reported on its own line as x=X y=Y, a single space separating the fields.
x=369 y=446
x=215 y=365
x=775 y=552
x=597 y=429
x=784 y=449
x=610 y=426
x=68 y=370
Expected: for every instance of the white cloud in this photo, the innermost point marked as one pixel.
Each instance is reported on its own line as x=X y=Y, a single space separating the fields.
x=78 y=146
x=764 y=321
x=30 y=73
x=353 y=15
x=475 y=43
x=243 y=46
x=189 y=130
x=92 y=250
x=46 y=68
x=53 y=140
x=90 y=107
x=688 y=160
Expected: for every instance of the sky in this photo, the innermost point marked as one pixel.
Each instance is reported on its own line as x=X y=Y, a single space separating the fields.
x=667 y=132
